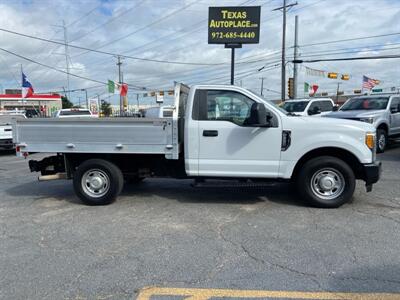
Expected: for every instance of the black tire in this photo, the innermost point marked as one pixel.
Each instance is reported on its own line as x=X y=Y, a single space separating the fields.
x=334 y=170
x=381 y=144
x=109 y=177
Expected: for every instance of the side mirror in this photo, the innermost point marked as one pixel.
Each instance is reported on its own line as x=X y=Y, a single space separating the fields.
x=335 y=108
x=315 y=111
x=394 y=110
x=259 y=117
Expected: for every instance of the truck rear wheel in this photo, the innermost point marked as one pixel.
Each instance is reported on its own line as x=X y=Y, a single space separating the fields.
x=98 y=182
x=326 y=182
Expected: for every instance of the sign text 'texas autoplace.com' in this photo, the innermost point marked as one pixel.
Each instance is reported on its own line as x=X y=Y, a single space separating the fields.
x=234 y=25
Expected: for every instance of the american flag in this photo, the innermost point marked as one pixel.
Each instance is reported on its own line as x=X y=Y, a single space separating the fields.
x=369 y=83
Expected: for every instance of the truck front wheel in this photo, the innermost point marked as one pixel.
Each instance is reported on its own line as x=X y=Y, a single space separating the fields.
x=98 y=182
x=326 y=182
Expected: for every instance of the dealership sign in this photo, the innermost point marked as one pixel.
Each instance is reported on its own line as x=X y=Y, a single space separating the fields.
x=234 y=25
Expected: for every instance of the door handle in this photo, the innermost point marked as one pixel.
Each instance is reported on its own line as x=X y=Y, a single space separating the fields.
x=210 y=132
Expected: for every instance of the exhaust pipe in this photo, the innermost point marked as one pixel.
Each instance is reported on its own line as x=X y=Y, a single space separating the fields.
x=53 y=177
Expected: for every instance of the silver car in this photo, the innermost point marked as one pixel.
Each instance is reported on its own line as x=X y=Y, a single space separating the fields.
x=382 y=111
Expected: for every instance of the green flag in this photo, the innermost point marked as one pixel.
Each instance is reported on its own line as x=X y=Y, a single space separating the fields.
x=306 y=87
x=111 y=87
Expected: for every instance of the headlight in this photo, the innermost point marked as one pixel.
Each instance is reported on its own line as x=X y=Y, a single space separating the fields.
x=370 y=140
x=367 y=120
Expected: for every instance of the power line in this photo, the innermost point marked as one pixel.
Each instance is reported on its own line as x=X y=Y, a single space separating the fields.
x=109 y=21
x=109 y=53
x=85 y=15
x=58 y=70
x=144 y=27
x=350 y=39
x=347 y=58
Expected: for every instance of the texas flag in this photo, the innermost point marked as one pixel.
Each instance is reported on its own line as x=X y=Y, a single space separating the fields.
x=27 y=88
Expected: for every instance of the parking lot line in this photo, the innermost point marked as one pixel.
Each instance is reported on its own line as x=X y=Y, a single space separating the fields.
x=203 y=294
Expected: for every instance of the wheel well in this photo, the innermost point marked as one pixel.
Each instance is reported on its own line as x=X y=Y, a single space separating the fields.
x=340 y=153
x=384 y=127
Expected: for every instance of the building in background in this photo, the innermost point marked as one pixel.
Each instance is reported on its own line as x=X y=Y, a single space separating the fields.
x=37 y=104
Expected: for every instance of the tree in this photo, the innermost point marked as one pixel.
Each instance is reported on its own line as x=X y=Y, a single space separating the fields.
x=105 y=108
x=65 y=102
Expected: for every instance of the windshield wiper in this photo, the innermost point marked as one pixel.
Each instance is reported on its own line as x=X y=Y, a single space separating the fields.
x=292 y=114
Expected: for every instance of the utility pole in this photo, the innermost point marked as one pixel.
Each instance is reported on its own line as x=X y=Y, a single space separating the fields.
x=66 y=57
x=87 y=102
x=296 y=46
x=121 y=104
x=283 y=67
x=337 y=92
x=137 y=100
x=262 y=85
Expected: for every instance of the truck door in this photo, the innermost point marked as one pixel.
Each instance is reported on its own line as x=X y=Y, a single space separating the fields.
x=395 y=115
x=227 y=147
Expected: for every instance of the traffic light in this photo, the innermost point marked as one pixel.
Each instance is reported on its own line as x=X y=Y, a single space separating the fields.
x=291 y=88
x=345 y=77
x=332 y=75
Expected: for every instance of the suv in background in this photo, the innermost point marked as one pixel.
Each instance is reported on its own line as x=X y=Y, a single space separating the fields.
x=309 y=106
x=74 y=113
x=382 y=111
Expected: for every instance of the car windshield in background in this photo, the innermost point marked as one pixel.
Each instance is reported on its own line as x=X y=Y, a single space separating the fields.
x=8 y=119
x=75 y=113
x=367 y=103
x=295 y=106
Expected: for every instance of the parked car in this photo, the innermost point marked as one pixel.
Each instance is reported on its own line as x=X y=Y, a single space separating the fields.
x=216 y=131
x=382 y=111
x=74 y=113
x=6 y=138
x=159 y=112
x=309 y=106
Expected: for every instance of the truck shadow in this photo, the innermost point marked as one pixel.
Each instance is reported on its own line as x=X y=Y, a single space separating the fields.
x=184 y=192
x=165 y=189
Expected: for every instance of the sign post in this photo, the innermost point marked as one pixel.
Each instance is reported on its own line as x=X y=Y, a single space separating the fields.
x=234 y=26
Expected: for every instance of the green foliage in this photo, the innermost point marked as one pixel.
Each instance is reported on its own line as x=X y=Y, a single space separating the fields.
x=105 y=108
x=66 y=103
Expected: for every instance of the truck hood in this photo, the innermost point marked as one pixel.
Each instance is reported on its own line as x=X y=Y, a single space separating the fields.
x=354 y=114
x=330 y=124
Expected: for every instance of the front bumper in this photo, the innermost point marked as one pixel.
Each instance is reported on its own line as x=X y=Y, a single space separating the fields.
x=372 y=173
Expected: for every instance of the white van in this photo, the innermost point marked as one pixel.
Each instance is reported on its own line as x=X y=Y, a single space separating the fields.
x=309 y=106
x=6 y=120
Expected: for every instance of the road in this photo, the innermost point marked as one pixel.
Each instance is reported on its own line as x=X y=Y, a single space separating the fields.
x=168 y=234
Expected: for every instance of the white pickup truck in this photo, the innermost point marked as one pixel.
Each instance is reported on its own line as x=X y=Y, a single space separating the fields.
x=219 y=131
x=6 y=120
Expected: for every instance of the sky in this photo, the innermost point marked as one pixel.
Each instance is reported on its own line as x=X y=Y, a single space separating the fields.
x=176 y=31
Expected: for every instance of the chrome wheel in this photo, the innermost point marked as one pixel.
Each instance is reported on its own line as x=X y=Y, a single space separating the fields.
x=95 y=183
x=327 y=184
x=382 y=142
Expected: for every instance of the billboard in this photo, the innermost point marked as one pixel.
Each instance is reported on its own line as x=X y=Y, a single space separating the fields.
x=234 y=25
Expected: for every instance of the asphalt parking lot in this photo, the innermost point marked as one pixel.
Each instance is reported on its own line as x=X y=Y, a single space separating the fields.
x=168 y=234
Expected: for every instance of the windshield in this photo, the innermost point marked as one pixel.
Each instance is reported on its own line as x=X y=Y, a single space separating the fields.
x=270 y=102
x=295 y=106
x=366 y=103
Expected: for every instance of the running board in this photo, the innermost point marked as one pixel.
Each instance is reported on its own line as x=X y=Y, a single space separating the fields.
x=231 y=184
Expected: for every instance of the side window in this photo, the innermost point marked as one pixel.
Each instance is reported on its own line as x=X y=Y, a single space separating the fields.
x=326 y=105
x=314 y=104
x=395 y=104
x=228 y=106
